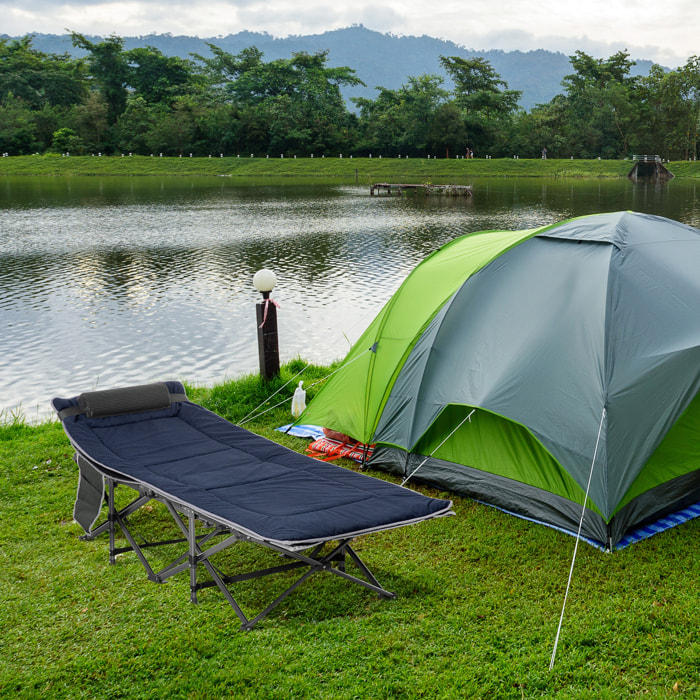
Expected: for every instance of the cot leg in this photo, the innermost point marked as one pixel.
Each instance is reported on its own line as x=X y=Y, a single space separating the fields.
x=245 y=623
x=249 y=624
x=191 y=536
x=111 y=519
x=368 y=574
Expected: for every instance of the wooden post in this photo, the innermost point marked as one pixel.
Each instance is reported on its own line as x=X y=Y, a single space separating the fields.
x=268 y=346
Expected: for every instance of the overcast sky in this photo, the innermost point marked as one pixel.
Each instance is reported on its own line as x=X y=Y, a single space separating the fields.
x=666 y=32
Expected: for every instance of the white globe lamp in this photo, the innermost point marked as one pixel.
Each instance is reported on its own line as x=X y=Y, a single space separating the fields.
x=266 y=311
x=264 y=281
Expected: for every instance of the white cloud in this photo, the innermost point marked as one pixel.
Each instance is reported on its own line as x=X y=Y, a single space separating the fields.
x=664 y=32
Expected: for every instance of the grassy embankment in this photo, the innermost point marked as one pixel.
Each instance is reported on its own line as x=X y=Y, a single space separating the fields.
x=363 y=170
x=479 y=596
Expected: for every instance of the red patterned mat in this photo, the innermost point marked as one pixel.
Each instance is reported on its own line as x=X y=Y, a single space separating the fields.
x=327 y=450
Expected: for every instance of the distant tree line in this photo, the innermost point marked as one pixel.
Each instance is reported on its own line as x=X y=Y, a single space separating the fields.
x=141 y=101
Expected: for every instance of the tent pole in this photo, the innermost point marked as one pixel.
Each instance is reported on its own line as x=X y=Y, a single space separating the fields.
x=578 y=539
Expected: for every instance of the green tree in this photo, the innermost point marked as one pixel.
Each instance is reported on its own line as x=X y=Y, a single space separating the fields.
x=134 y=124
x=398 y=121
x=155 y=77
x=17 y=127
x=109 y=69
x=682 y=99
x=254 y=137
x=223 y=70
x=37 y=78
x=542 y=128
x=220 y=129
x=447 y=131
x=175 y=129
x=46 y=121
x=487 y=105
x=298 y=99
x=65 y=140
x=422 y=98
x=381 y=122
x=601 y=105
x=90 y=120
x=655 y=116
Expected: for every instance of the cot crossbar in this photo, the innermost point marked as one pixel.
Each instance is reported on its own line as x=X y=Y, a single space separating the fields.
x=330 y=557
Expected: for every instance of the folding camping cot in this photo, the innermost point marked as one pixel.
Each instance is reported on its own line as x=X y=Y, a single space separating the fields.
x=223 y=485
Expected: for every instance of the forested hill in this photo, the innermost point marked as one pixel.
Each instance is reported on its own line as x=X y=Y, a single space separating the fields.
x=380 y=60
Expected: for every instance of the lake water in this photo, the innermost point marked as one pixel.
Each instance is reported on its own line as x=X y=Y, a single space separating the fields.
x=113 y=281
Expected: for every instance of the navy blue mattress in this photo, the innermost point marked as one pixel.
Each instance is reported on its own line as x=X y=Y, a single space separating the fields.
x=239 y=479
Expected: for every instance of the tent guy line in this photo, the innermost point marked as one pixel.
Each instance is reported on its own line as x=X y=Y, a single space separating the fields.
x=578 y=539
x=462 y=422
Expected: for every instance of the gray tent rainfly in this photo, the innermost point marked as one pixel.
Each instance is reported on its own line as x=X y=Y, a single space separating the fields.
x=578 y=344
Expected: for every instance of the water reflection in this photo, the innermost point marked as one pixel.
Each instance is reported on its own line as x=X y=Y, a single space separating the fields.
x=107 y=281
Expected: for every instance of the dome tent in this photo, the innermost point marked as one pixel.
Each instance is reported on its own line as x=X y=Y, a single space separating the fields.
x=575 y=351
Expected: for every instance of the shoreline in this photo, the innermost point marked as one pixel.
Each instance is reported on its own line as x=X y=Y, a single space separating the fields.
x=360 y=170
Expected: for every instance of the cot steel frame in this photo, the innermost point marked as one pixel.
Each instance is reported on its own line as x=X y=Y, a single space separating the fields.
x=324 y=556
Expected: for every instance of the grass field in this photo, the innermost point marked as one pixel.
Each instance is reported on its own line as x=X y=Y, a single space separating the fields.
x=363 y=170
x=479 y=598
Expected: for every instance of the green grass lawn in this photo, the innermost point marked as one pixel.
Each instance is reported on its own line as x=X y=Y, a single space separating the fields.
x=364 y=170
x=479 y=598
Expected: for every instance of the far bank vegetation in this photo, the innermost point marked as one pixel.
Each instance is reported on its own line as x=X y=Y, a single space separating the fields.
x=142 y=102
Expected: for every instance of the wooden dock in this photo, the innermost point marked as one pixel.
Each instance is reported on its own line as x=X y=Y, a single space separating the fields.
x=443 y=190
